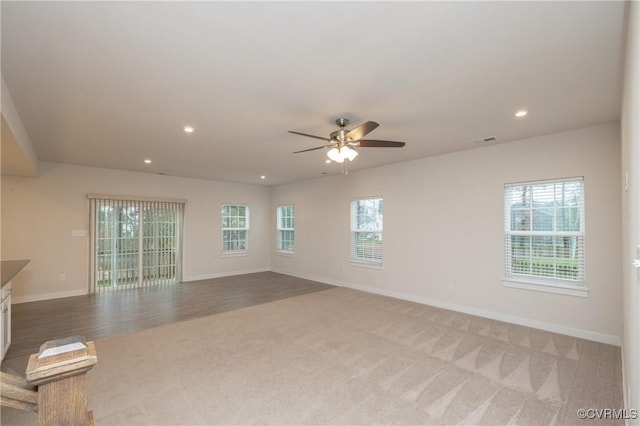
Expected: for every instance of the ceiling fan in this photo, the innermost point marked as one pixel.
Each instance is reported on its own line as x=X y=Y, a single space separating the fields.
x=342 y=141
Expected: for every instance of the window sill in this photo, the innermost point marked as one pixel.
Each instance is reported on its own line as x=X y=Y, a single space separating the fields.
x=234 y=253
x=568 y=290
x=368 y=265
x=285 y=253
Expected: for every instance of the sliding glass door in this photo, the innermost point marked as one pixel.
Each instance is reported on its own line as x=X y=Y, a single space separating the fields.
x=135 y=243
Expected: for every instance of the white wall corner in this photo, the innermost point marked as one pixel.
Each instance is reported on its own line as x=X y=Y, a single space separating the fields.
x=20 y=137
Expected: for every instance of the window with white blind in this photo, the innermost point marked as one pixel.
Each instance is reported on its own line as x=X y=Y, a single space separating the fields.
x=544 y=233
x=235 y=229
x=286 y=228
x=135 y=242
x=366 y=230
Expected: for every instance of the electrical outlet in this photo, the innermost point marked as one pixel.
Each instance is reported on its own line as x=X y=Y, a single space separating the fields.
x=62 y=277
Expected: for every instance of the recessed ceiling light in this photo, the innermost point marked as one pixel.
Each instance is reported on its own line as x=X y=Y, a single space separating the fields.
x=327 y=161
x=263 y=177
x=147 y=161
x=521 y=113
x=188 y=129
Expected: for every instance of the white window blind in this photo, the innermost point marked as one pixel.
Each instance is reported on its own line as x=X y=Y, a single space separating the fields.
x=286 y=228
x=366 y=230
x=235 y=228
x=135 y=243
x=544 y=232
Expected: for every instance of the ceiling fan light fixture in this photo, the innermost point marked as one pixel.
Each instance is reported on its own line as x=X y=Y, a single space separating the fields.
x=343 y=153
x=349 y=153
x=334 y=155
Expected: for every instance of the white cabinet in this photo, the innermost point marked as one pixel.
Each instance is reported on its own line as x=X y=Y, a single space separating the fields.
x=8 y=270
x=5 y=320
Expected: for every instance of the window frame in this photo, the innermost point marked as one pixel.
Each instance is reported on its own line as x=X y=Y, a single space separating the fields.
x=280 y=229
x=354 y=232
x=531 y=281
x=230 y=229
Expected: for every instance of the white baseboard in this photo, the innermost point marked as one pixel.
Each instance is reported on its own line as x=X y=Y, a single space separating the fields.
x=498 y=316
x=47 y=296
x=58 y=295
x=224 y=274
x=625 y=385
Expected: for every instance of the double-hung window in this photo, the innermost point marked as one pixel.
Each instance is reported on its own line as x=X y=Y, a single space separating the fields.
x=235 y=228
x=366 y=230
x=286 y=229
x=544 y=233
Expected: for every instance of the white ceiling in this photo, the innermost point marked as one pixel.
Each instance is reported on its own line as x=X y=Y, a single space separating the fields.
x=109 y=84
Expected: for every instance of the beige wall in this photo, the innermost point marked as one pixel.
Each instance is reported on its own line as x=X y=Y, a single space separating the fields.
x=39 y=215
x=443 y=225
x=444 y=221
x=631 y=211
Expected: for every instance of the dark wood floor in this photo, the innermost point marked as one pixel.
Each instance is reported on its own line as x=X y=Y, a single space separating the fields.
x=119 y=312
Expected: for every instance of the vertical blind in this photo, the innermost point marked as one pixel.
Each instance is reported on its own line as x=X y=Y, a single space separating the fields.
x=135 y=242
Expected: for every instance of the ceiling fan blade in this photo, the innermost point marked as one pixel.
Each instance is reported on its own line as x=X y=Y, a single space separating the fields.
x=379 y=144
x=312 y=149
x=310 y=136
x=361 y=130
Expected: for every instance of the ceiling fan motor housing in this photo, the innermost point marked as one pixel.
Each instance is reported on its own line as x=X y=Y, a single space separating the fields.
x=339 y=135
x=342 y=122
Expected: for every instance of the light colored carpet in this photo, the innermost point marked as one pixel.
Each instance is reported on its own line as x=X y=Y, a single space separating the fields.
x=342 y=356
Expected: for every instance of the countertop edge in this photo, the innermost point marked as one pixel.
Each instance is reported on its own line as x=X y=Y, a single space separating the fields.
x=10 y=268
